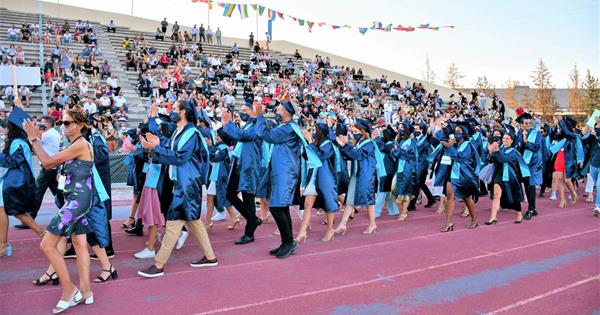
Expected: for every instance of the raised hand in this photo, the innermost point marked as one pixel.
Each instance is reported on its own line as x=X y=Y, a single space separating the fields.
x=30 y=129
x=342 y=140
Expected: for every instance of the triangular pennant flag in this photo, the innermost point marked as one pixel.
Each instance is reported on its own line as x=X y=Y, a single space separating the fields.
x=301 y=22
x=388 y=28
x=294 y=18
x=347 y=26
x=280 y=15
x=363 y=30
x=335 y=27
x=228 y=9
x=245 y=10
x=423 y=26
x=261 y=10
x=254 y=6
x=322 y=24
x=434 y=28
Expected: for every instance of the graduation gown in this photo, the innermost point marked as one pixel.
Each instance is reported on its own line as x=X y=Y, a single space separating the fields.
x=135 y=174
x=389 y=161
x=102 y=163
x=464 y=170
x=510 y=169
x=186 y=163
x=249 y=161
x=532 y=154
x=18 y=182
x=99 y=213
x=364 y=167
x=343 y=176
x=406 y=173
x=219 y=173
x=284 y=162
x=573 y=150
x=326 y=182
x=423 y=148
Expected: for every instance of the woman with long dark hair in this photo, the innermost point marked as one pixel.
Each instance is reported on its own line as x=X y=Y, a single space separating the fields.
x=322 y=184
x=16 y=184
x=76 y=180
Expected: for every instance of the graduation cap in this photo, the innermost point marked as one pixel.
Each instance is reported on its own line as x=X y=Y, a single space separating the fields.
x=341 y=129
x=523 y=117
x=289 y=107
x=206 y=133
x=466 y=127
x=363 y=124
x=203 y=117
x=132 y=134
x=408 y=127
x=164 y=117
x=571 y=123
x=18 y=117
x=389 y=133
x=472 y=121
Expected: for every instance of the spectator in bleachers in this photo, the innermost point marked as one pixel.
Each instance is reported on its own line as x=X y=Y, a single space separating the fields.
x=67 y=38
x=175 y=28
x=25 y=94
x=267 y=39
x=159 y=35
x=126 y=43
x=164 y=24
x=90 y=107
x=202 y=32
x=119 y=101
x=297 y=55
x=13 y=33
x=111 y=27
x=25 y=32
x=121 y=115
x=209 y=35
x=235 y=50
x=66 y=27
x=251 y=40
x=218 y=36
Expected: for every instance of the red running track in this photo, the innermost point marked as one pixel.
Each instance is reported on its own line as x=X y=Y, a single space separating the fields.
x=548 y=264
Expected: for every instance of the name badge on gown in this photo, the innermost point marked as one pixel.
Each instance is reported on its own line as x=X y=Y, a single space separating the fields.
x=446 y=160
x=62 y=179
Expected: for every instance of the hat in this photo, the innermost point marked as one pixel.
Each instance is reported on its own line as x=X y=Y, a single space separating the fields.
x=363 y=124
x=206 y=132
x=389 y=133
x=466 y=127
x=203 y=117
x=341 y=129
x=289 y=107
x=408 y=127
x=472 y=121
x=523 y=117
x=18 y=117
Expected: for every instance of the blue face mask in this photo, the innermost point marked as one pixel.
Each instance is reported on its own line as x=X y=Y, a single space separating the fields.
x=497 y=138
x=278 y=118
x=416 y=133
x=174 y=117
x=244 y=117
x=42 y=127
x=458 y=135
x=357 y=136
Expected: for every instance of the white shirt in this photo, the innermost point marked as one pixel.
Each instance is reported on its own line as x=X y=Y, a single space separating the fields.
x=90 y=107
x=114 y=82
x=51 y=141
x=119 y=101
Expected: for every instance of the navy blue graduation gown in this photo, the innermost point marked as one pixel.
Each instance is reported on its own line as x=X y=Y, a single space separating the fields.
x=512 y=193
x=536 y=161
x=284 y=165
x=190 y=161
x=366 y=172
x=18 y=183
x=385 y=184
x=249 y=162
x=463 y=172
x=221 y=156
x=406 y=173
x=326 y=182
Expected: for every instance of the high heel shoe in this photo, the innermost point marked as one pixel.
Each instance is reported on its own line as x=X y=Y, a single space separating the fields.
x=473 y=225
x=51 y=279
x=491 y=222
x=113 y=275
x=341 y=230
x=209 y=227
x=137 y=230
x=301 y=237
x=235 y=224
x=328 y=237
x=448 y=228
x=574 y=198
x=89 y=300
x=6 y=250
x=129 y=224
x=62 y=305
x=370 y=231
x=562 y=204
x=402 y=217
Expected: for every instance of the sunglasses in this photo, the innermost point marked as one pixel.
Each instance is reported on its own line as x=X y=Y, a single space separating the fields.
x=68 y=123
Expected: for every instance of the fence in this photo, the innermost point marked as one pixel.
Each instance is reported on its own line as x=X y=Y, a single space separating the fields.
x=118 y=170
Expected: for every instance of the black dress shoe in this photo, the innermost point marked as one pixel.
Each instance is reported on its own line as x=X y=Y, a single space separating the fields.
x=413 y=208
x=274 y=251
x=21 y=227
x=287 y=250
x=259 y=222
x=530 y=214
x=244 y=240
x=70 y=253
x=430 y=203
x=137 y=230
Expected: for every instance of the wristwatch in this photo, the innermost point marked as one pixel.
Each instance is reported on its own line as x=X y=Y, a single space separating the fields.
x=34 y=140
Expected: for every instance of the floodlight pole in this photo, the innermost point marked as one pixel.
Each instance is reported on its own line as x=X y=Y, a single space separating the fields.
x=41 y=49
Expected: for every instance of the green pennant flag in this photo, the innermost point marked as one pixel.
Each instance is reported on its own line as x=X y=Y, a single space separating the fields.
x=261 y=10
x=253 y=6
x=245 y=10
x=301 y=22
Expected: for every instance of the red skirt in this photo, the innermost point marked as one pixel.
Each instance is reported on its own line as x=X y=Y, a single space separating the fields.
x=559 y=163
x=149 y=208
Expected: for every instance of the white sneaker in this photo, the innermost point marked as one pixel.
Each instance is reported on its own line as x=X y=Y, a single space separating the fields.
x=219 y=216
x=597 y=211
x=145 y=254
x=553 y=196
x=181 y=240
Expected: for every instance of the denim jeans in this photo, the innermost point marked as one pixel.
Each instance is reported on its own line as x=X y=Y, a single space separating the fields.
x=595 y=173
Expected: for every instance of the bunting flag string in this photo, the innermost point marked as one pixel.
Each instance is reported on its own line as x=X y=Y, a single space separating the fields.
x=229 y=8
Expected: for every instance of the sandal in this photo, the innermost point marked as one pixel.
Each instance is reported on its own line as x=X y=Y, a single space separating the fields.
x=113 y=275
x=62 y=306
x=234 y=225
x=51 y=279
x=5 y=250
x=129 y=225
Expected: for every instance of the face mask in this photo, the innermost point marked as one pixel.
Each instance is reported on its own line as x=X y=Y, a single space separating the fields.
x=458 y=135
x=357 y=136
x=278 y=118
x=174 y=117
x=244 y=117
x=497 y=138
x=416 y=133
x=42 y=127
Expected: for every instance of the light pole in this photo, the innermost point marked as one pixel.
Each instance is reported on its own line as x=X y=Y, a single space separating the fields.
x=41 y=48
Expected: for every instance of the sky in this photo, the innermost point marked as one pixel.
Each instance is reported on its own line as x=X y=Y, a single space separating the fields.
x=501 y=39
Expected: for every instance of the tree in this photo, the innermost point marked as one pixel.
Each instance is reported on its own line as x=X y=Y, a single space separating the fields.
x=591 y=93
x=575 y=101
x=510 y=94
x=428 y=75
x=484 y=85
x=453 y=76
x=544 y=91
